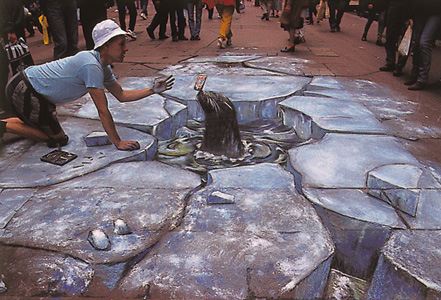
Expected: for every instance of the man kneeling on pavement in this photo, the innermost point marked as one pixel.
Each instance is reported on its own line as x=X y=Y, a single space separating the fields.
x=35 y=92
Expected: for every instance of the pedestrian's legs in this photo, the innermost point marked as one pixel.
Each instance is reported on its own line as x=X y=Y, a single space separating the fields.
x=341 y=7
x=181 y=23
x=332 y=8
x=210 y=13
x=144 y=4
x=321 y=11
x=393 y=30
x=132 y=12
x=121 y=4
x=57 y=26
x=226 y=13
x=191 y=20
x=71 y=21
x=198 y=23
x=381 y=24
x=370 y=20
x=428 y=35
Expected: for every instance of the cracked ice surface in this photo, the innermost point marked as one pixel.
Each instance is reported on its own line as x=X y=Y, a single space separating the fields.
x=59 y=218
x=270 y=234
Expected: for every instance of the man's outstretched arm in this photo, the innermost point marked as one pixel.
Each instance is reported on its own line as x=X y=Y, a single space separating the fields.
x=159 y=86
x=100 y=100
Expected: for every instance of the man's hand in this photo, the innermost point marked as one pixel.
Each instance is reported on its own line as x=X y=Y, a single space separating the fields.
x=162 y=85
x=127 y=145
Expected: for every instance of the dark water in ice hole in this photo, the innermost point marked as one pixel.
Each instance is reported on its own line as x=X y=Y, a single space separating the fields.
x=265 y=141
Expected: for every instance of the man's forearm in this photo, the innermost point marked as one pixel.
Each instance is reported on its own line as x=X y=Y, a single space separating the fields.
x=133 y=95
x=109 y=126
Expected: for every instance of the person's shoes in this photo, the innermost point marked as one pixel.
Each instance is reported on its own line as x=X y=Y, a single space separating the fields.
x=387 y=68
x=229 y=42
x=411 y=81
x=288 y=49
x=131 y=34
x=183 y=38
x=143 y=16
x=398 y=72
x=220 y=43
x=333 y=29
x=54 y=143
x=150 y=33
x=337 y=29
x=379 y=42
x=418 y=86
x=163 y=37
x=192 y=38
x=175 y=39
x=197 y=38
x=363 y=38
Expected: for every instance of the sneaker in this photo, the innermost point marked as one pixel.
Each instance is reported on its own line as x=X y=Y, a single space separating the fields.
x=163 y=37
x=131 y=34
x=220 y=43
x=182 y=38
x=143 y=15
x=229 y=42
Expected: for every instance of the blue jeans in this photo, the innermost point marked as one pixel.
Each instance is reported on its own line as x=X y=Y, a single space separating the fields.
x=425 y=32
x=63 y=23
x=194 y=7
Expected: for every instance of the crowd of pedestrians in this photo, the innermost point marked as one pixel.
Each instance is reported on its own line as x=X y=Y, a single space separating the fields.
x=184 y=21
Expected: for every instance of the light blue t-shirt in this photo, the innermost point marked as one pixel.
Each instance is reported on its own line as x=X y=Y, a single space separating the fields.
x=68 y=79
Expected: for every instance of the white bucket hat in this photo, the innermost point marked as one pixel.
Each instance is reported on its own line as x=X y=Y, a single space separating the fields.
x=105 y=31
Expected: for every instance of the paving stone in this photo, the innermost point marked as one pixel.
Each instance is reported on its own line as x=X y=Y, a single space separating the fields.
x=154 y=114
x=343 y=160
x=10 y=202
x=400 y=185
x=31 y=273
x=225 y=58
x=328 y=115
x=409 y=267
x=343 y=286
x=290 y=66
x=359 y=225
x=29 y=171
x=326 y=52
x=270 y=234
x=214 y=69
x=60 y=218
x=254 y=97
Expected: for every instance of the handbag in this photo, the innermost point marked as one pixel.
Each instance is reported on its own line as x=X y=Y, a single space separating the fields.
x=404 y=47
x=19 y=55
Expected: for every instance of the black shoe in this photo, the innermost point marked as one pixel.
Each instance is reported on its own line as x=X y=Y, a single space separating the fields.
x=333 y=29
x=379 y=42
x=150 y=33
x=263 y=17
x=411 y=81
x=183 y=38
x=192 y=38
x=197 y=38
x=163 y=37
x=337 y=28
x=387 y=68
x=363 y=38
x=418 y=86
x=54 y=143
x=174 y=39
x=398 y=72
